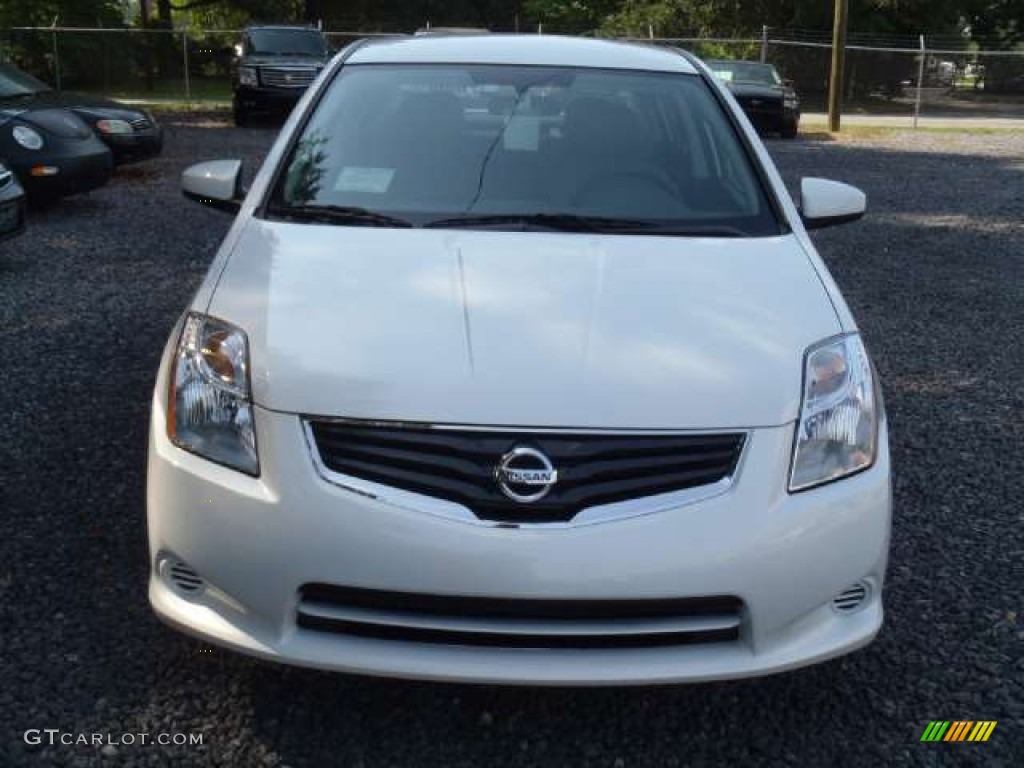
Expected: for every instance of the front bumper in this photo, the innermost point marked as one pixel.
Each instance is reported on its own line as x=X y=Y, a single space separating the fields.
x=79 y=169
x=255 y=541
x=264 y=99
x=772 y=118
x=131 y=148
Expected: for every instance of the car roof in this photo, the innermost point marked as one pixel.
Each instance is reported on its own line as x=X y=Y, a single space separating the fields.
x=302 y=27
x=539 y=50
x=750 y=62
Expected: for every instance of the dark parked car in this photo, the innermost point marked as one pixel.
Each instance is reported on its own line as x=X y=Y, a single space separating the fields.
x=769 y=101
x=52 y=152
x=275 y=66
x=12 y=204
x=131 y=133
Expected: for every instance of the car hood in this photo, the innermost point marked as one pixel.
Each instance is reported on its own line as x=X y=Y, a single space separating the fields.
x=87 y=103
x=41 y=115
x=524 y=329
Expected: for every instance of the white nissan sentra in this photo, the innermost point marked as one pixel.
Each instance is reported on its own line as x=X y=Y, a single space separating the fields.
x=518 y=366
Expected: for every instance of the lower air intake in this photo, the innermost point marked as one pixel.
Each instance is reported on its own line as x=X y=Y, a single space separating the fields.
x=852 y=598
x=518 y=623
x=182 y=577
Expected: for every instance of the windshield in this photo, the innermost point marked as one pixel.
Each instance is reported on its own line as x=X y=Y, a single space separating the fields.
x=286 y=42
x=745 y=72
x=458 y=145
x=14 y=82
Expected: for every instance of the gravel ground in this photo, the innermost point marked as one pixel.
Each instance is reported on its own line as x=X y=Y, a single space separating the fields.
x=89 y=294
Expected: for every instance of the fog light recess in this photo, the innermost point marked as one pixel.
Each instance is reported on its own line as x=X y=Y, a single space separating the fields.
x=181 y=577
x=853 y=598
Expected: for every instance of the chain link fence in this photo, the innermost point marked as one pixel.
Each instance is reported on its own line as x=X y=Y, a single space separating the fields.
x=940 y=79
x=927 y=80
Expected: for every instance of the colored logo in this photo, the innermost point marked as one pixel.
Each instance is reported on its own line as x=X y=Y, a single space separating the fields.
x=958 y=730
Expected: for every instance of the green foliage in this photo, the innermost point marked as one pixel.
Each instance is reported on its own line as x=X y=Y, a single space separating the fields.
x=31 y=13
x=992 y=23
x=569 y=15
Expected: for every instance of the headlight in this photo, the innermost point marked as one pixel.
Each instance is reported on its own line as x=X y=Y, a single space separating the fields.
x=29 y=138
x=838 y=430
x=247 y=76
x=209 y=406
x=114 y=126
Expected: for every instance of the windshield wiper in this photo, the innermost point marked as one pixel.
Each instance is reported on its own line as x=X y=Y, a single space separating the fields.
x=337 y=214
x=563 y=222
x=570 y=222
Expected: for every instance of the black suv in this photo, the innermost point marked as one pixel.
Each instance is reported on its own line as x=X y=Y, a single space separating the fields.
x=769 y=101
x=275 y=65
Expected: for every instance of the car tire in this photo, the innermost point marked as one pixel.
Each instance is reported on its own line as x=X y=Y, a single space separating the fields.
x=241 y=115
x=789 y=131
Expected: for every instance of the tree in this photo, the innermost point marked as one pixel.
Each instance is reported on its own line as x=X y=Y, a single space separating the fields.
x=569 y=15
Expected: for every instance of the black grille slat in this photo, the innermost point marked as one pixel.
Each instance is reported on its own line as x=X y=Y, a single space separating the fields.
x=643 y=467
x=459 y=465
x=590 y=495
x=557 y=615
x=390 y=474
x=484 y=444
x=520 y=608
x=483 y=639
x=449 y=466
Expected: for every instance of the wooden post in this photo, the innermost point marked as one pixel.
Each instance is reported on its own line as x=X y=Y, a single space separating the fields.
x=920 y=81
x=835 y=81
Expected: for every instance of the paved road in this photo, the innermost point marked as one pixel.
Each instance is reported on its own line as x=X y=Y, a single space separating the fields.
x=88 y=296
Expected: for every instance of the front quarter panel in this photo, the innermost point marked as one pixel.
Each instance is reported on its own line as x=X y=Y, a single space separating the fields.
x=789 y=207
x=264 y=178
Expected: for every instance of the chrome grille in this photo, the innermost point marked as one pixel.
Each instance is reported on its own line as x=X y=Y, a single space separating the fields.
x=287 y=77
x=461 y=465
x=518 y=623
x=141 y=124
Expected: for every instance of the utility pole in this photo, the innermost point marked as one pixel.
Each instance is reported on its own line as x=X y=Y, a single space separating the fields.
x=835 y=81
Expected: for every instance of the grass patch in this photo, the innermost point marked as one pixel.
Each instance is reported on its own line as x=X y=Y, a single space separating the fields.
x=859 y=130
x=172 y=92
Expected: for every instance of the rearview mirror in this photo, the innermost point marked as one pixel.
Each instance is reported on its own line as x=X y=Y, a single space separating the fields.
x=825 y=203
x=217 y=183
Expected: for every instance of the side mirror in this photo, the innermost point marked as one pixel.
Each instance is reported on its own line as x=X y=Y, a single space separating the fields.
x=825 y=203
x=217 y=183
